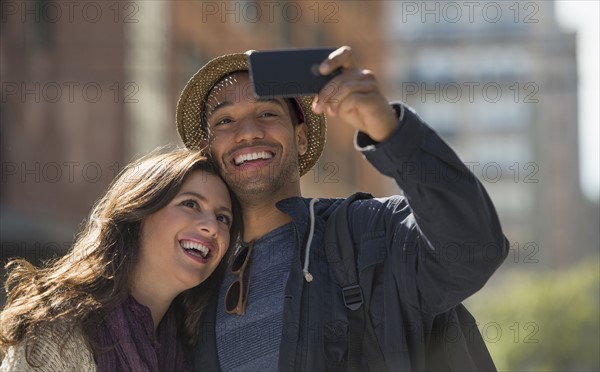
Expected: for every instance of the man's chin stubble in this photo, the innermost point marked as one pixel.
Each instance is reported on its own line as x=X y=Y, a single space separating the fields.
x=254 y=190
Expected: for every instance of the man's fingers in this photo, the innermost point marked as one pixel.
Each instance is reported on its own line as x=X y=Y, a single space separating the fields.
x=341 y=86
x=333 y=101
x=341 y=57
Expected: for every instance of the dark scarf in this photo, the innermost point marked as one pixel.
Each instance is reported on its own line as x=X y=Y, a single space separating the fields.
x=130 y=329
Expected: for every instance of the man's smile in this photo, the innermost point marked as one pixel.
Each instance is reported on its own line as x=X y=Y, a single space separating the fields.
x=243 y=158
x=252 y=154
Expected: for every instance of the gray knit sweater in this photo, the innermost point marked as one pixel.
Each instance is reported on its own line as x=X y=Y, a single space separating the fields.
x=46 y=354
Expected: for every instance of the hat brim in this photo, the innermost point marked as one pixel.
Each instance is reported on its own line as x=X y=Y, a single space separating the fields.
x=193 y=98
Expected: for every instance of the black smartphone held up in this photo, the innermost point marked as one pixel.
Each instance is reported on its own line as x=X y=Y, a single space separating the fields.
x=289 y=72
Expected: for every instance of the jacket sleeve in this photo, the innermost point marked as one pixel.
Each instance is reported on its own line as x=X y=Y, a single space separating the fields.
x=445 y=238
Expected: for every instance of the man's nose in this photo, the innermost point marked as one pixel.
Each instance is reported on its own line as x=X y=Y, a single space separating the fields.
x=249 y=129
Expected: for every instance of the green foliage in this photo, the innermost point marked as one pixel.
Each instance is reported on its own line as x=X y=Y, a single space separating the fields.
x=542 y=320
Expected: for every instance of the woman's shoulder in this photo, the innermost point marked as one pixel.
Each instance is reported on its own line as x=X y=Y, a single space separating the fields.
x=60 y=346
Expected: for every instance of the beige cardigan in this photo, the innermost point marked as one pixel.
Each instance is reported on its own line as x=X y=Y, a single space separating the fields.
x=47 y=355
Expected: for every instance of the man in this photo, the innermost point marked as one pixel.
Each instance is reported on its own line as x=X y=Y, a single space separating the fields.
x=279 y=307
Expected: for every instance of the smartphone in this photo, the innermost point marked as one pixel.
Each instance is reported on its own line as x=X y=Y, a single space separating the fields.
x=289 y=72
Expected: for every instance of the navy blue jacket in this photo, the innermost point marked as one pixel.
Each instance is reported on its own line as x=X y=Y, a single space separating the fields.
x=418 y=255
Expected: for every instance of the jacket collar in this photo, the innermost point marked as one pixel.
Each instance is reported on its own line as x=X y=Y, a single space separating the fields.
x=297 y=208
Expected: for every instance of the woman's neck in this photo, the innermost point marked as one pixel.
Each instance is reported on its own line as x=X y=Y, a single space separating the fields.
x=153 y=298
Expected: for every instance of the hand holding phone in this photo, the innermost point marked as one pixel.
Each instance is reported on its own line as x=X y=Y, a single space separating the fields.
x=289 y=73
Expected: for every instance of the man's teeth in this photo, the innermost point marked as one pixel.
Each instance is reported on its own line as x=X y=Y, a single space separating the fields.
x=195 y=247
x=252 y=156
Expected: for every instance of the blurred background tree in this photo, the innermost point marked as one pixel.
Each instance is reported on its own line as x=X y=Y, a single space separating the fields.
x=543 y=322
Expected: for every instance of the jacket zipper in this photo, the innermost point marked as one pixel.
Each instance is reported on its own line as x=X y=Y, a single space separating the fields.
x=304 y=308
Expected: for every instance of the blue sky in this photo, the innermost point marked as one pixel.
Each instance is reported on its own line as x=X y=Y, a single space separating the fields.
x=582 y=16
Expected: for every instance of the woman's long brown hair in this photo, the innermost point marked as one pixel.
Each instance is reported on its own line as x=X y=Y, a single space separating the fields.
x=94 y=276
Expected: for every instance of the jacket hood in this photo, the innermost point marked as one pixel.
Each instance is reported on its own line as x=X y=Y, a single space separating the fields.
x=315 y=211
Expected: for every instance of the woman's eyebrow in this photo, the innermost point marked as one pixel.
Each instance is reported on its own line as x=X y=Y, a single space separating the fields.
x=205 y=199
x=195 y=194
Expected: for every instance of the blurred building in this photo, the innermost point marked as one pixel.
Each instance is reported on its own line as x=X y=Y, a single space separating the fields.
x=63 y=121
x=87 y=86
x=498 y=81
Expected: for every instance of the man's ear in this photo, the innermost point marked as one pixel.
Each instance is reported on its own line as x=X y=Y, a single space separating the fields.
x=301 y=131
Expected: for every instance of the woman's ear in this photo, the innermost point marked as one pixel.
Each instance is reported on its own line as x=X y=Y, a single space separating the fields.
x=301 y=138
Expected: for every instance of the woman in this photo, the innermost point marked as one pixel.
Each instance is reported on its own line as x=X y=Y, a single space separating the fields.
x=130 y=293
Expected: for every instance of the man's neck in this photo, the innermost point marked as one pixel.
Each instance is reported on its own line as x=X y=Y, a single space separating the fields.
x=261 y=214
x=260 y=220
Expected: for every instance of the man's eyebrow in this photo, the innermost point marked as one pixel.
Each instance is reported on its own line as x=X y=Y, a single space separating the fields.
x=205 y=199
x=272 y=100
x=220 y=105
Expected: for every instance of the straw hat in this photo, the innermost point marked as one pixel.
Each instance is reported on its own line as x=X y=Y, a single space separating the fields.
x=191 y=103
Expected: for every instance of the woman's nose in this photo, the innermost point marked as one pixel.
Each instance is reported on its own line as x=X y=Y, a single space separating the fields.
x=209 y=224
